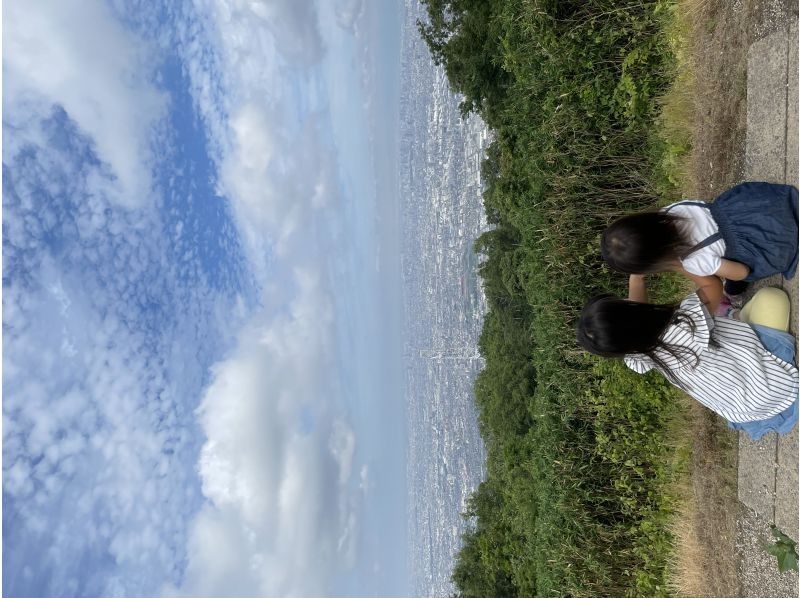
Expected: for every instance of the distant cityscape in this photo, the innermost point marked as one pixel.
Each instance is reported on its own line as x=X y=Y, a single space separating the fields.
x=442 y=215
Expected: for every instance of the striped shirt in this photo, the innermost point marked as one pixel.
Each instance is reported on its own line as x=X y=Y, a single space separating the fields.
x=738 y=378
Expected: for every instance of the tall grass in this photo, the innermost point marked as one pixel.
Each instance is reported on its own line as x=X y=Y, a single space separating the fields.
x=580 y=463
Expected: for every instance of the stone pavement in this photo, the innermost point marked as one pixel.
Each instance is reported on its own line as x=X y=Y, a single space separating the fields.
x=768 y=469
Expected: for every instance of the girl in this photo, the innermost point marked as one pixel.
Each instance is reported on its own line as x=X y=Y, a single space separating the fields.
x=748 y=232
x=744 y=373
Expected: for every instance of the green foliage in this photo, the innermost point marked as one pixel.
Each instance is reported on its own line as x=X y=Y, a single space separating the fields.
x=784 y=549
x=461 y=36
x=576 y=499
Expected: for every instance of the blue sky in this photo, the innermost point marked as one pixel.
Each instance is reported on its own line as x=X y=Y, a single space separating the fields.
x=201 y=386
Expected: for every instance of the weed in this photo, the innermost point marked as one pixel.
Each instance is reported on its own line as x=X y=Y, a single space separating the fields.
x=784 y=549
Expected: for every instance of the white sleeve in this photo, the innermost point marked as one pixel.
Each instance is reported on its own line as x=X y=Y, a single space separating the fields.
x=703 y=262
x=641 y=364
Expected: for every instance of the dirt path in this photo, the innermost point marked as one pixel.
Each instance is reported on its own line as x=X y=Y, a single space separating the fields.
x=745 y=129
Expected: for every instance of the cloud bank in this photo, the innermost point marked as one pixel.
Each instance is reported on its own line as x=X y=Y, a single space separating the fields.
x=129 y=468
x=282 y=517
x=277 y=464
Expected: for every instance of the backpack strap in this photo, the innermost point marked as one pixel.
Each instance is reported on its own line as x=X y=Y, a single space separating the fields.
x=708 y=240
x=702 y=204
x=704 y=243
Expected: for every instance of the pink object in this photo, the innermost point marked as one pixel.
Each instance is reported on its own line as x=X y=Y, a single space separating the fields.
x=724 y=307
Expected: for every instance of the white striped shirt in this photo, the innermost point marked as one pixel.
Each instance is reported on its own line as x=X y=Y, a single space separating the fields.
x=738 y=379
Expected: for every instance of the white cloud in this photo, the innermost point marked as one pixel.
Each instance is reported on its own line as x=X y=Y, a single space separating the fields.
x=292 y=24
x=98 y=417
x=365 y=484
x=348 y=12
x=100 y=424
x=75 y=54
x=107 y=344
x=258 y=91
x=277 y=465
x=277 y=461
x=84 y=440
x=342 y=446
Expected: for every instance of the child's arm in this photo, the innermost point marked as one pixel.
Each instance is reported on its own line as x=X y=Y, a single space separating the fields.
x=730 y=270
x=637 y=290
x=709 y=289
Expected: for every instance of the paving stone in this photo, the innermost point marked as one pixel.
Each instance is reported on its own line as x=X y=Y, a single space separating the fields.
x=757 y=467
x=768 y=469
x=786 y=496
x=765 y=159
x=765 y=152
x=792 y=109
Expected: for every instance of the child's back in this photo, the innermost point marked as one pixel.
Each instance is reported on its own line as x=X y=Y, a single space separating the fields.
x=748 y=232
x=733 y=375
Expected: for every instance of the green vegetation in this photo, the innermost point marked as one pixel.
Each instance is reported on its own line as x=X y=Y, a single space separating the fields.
x=580 y=468
x=784 y=549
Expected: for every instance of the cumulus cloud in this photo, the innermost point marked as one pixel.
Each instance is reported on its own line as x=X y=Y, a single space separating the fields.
x=275 y=179
x=102 y=389
x=76 y=55
x=365 y=484
x=276 y=465
x=258 y=92
x=294 y=25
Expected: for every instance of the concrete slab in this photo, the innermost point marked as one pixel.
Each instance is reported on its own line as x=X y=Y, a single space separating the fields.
x=792 y=109
x=758 y=574
x=791 y=286
x=757 y=466
x=786 y=486
x=768 y=474
x=765 y=152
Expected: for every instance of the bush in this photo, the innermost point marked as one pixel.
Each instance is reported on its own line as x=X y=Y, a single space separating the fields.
x=575 y=501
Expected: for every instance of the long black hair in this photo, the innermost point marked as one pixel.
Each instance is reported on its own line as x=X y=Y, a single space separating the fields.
x=643 y=243
x=614 y=327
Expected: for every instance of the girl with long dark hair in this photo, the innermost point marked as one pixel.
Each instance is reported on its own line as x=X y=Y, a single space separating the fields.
x=748 y=232
x=745 y=373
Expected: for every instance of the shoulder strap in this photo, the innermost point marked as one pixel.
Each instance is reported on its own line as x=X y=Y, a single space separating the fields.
x=702 y=204
x=708 y=240
x=704 y=243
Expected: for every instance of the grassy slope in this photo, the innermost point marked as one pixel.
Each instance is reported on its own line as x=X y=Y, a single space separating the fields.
x=580 y=457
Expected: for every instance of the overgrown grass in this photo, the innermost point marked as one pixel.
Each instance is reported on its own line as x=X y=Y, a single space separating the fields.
x=674 y=127
x=582 y=464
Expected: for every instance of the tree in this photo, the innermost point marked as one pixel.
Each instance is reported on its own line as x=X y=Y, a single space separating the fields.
x=461 y=36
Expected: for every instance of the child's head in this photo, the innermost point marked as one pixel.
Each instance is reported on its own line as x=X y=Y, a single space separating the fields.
x=614 y=327
x=642 y=243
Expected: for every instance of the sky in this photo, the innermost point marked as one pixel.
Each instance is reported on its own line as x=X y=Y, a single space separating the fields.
x=201 y=323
